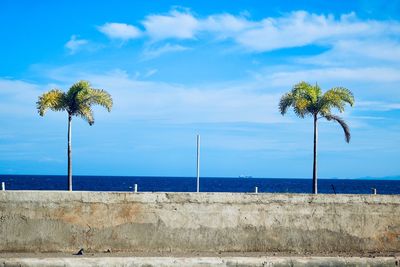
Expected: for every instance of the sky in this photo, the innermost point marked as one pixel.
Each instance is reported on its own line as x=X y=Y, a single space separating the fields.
x=176 y=69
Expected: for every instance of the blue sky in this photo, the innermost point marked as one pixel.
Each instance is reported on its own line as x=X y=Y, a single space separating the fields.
x=217 y=68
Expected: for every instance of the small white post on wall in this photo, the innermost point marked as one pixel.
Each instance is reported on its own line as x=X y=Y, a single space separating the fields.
x=3 y=186
x=373 y=191
x=256 y=190
x=198 y=163
x=135 y=188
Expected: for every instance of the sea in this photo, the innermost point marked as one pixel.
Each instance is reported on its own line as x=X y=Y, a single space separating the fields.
x=207 y=184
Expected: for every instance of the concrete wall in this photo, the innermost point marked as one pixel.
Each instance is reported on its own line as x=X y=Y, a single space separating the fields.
x=32 y=221
x=198 y=261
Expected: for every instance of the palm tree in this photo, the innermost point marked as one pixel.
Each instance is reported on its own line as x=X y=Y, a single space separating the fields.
x=77 y=101
x=308 y=100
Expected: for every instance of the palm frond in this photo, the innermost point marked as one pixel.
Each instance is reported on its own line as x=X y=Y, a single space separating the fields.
x=342 y=123
x=53 y=99
x=86 y=113
x=300 y=87
x=345 y=94
x=307 y=91
x=78 y=87
x=285 y=102
x=77 y=101
x=85 y=96
x=73 y=96
x=317 y=92
x=302 y=90
x=337 y=97
x=99 y=97
x=302 y=107
x=303 y=98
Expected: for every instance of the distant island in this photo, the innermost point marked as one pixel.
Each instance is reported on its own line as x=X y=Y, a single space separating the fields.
x=394 y=177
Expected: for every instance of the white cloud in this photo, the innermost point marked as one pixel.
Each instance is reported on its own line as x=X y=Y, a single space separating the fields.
x=365 y=82
x=301 y=28
x=74 y=44
x=18 y=98
x=187 y=104
x=184 y=25
x=347 y=34
x=352 y=52
x=377 y=105
x=154 y=52
x=178 y=103
x=179 y=25
x=148 y=100
x=348 y=38
x=226 y=25
x=360 y=74
x=120 y=31
x=343 y=36
x=150 y=73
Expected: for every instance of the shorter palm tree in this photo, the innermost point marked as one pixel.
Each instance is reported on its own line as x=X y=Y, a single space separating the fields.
x=308 y=100
x=77 y=101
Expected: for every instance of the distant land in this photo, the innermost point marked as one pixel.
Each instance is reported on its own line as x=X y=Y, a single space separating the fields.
x=395 y=177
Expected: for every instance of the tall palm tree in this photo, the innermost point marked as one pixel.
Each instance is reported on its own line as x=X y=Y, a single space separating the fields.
x=77 y=101
x=308 y=100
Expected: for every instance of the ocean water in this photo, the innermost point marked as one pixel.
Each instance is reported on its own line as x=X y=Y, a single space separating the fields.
x=188 y=184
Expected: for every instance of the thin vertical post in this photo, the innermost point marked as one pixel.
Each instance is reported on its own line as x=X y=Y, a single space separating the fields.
x=315 y=182
x=198 y=163
x=69 y=153
x=135 y=188
x=373 y=191
x=3 y=186
x=256 y=190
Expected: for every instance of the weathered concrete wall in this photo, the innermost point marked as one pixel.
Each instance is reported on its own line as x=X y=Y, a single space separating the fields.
x=64 y=221
x=199 y=262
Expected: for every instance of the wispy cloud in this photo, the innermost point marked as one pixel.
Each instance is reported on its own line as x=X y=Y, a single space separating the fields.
x=329 y=74
x=294 y=29
x=346 y=38
x=187 y=104
x=75 y=44
x=161 y=101
x=352 y=52
x=150 y=73
x=226 y=24
x=301 y=28
x=120 y=31
x=184 y=25
x=176 y=24
x=377 y=105
x=154 y=52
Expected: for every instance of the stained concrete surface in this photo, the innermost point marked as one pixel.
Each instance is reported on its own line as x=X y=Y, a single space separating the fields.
x=197 y=261
x=43 y=221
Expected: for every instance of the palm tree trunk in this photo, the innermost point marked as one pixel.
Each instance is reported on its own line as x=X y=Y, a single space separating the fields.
x=315 y=183
x=69 y=154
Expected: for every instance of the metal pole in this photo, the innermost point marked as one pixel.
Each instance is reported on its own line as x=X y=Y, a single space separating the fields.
x=198 y=163
x=333 y=187
x=135 y=188
x=3 y=186
x=256 y=190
